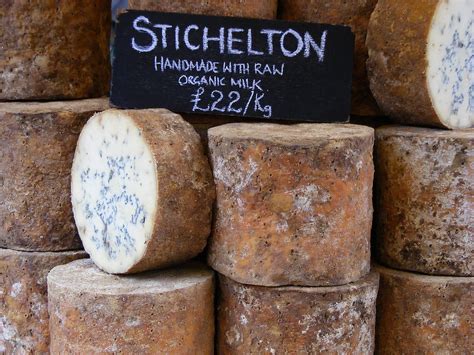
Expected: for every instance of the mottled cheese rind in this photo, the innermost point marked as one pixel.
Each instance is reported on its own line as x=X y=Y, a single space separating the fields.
x=266 y=9
x=353 y=13
x=294 y=203
x=420 y=314
x=167 y=312
x=52 y=50
x=142 y=190
x=424 y=200
x=36 y=153
x=421 y=71
x=296 y=320
x=24 y=321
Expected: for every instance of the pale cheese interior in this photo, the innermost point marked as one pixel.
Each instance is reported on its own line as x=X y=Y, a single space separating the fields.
x=114 y=191
x=450 y=56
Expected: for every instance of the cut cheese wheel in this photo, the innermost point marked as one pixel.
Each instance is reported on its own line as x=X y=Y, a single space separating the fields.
x=297 y=320
x=353 y=13
x=425 y=200
x=24 y=324
x=159 y=312
x=294 y=203
x=142 y=190
x=36 y=152
x=420 y=314
x=266 y=9
x=421 y=70
x=54 y=49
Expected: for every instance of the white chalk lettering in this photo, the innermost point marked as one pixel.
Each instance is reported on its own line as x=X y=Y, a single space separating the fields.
x=141 y=29
x=231 y=40
x=299 y=47
x=206 y=39
x=164 y=43
x=186 y=37
x=310 y=42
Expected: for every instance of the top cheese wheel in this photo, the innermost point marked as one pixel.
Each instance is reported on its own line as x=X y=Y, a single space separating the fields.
x=142 y=190
x=294 y=203
x=353 y=13
x=421 y=61
x=240 y=8
x=54 y=49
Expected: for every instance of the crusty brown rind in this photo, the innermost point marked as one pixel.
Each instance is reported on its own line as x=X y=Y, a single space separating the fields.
x=353 y=13
x=36 y=152
x=24 y=320
x=397 y=60
x=296 y=320
x=294 y=203
x=424 y=198
x=420 y=314
x=265 y=9
x=52 y=50
x=159 y=312
x=186 y=189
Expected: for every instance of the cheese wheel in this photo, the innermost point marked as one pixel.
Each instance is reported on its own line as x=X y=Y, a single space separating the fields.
x=425 y=200
x=36 y=152
x=159 y=312
x=54 y=49
x=142 y=190
x=266 y=9
x=353 y=13
x=296 y=320
x=420 y=314
x=294 y=203
x=24 y=324
x=421 y=63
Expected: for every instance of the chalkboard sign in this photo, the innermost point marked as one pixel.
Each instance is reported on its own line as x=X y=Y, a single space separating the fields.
x=232 y=66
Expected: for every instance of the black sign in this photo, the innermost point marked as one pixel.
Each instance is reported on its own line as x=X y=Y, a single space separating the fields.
x=232 y=66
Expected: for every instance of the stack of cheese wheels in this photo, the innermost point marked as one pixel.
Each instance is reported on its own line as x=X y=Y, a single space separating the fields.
x=158 y=312
x=353 y=13
x=54 y=49
x=421 y=70
x=142 y=194
x=293 y=207
x=37 y=142
x=49 y=50
x=425 y=224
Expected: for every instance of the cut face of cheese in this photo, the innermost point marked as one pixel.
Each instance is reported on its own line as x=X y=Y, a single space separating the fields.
x=450 y=57
x=142 y=190
x=113 y=191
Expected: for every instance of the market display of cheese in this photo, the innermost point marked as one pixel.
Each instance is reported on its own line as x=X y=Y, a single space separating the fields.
x=420 y=64
x=36 y=152
x=166 y=312
x=54 y=49
x=290 y=320
x=420 y=314
x=353 y=13
x=424 y=200
x=294 y=203
x=142 y=190
x=266 y=9
x=24 y=325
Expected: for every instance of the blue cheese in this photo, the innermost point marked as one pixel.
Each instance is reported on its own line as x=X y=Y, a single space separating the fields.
x=132 y=209
x=450 y=57
x=114 y=189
